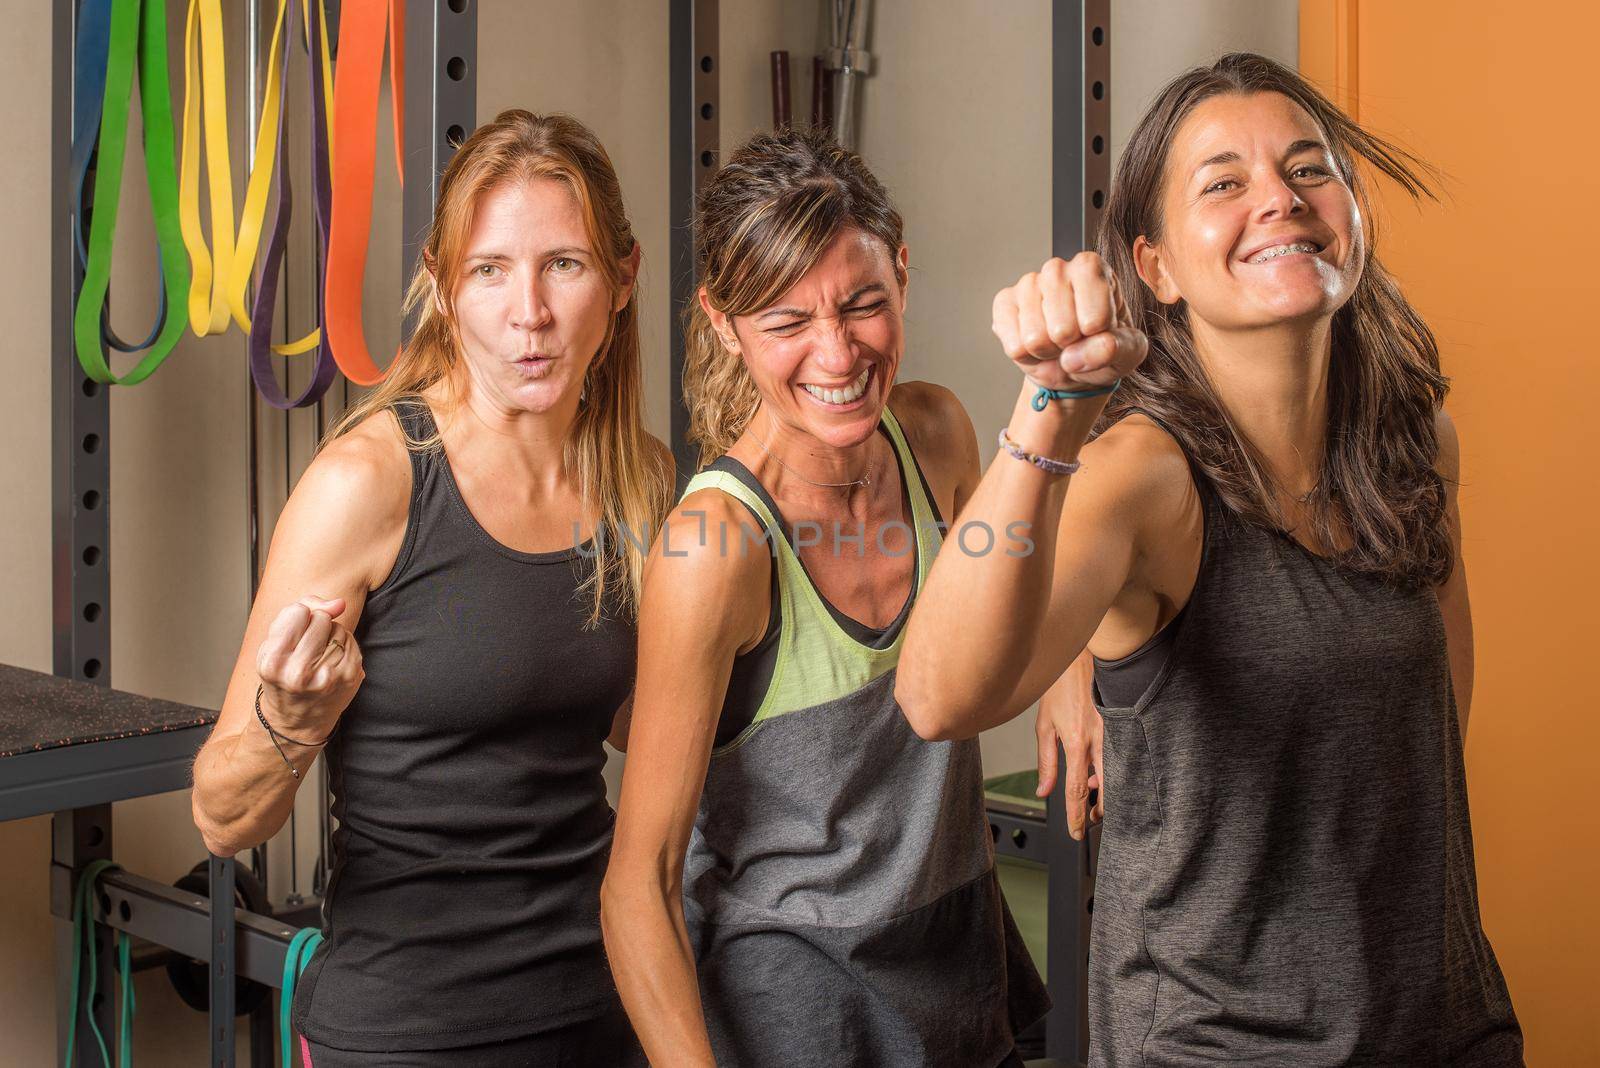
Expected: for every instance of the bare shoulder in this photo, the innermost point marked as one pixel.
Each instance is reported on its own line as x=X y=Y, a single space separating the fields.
x=710 y=540
x=1137 y=467
x=939 y=431
x=348 y=511
x=1449 y=458
x=928 y=413
x=710 y=568
x=363 y=472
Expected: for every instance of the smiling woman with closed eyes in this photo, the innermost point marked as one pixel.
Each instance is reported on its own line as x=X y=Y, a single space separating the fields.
x=1262 y=551
x=838 y=904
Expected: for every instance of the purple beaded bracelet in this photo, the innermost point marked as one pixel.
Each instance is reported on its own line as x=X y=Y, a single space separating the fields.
x=1043 y=463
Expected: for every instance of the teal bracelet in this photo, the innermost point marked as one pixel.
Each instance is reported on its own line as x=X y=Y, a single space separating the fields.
x=1045 y=396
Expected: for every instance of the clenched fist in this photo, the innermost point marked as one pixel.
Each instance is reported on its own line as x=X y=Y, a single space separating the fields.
x=1066 y=325
x=310 y=668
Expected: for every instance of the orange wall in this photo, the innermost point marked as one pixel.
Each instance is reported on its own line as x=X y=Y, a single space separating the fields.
x=1503 y=99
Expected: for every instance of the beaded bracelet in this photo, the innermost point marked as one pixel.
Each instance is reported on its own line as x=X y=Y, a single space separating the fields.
x=274 y=735
x=1043 y=463
x=1045 y=396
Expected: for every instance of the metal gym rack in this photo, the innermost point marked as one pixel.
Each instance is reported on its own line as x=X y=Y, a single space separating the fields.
x=125 y=746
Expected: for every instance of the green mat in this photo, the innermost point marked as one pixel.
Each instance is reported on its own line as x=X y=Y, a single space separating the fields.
x=1015 y=788
x=1026 y=886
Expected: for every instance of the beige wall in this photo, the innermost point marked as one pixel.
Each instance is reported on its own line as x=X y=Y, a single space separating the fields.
x=956 y=121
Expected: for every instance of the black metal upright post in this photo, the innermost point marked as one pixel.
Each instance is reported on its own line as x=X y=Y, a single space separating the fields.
x=80 y=558
x=441 y=110
x=695 y=135
x=1080 y=135
x=223 y=961
x=80 y=420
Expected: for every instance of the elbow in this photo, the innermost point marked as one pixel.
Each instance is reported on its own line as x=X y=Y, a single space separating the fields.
x=217 y=838
x=933 y=719
x=220 y=849
x=619 y=912
x=630 y=897
x=611 y=910
x=223 y=837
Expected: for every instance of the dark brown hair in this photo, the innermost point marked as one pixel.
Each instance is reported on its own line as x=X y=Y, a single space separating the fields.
x=1377 y=480
x=761 y=223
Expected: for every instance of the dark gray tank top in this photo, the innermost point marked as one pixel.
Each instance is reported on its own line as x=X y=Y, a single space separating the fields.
x=1286 y=872
x=473 y=831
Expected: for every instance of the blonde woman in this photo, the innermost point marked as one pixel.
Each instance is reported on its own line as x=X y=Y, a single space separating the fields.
x=840 y=905
x=446 y=611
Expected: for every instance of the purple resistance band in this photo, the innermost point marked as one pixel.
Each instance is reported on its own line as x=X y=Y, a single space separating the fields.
x=283 y=209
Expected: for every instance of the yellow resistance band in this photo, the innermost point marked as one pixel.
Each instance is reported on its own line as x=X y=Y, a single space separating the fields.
x=266 y=161
x=204 y=75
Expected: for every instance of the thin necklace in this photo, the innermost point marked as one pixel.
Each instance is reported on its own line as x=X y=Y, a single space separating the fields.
x=864 y=480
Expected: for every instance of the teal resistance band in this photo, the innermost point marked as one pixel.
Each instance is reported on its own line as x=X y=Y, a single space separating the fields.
x=130 y=1004
x=1045 y=396
x=83 y=932
x=295 y=959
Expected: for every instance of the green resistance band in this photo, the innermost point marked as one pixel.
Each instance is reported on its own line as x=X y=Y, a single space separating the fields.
x=295 y=959
x=82 y=934
x=141 y=24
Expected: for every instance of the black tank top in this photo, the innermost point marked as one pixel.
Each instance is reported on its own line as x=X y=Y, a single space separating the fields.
x=466 y=775
x=1286 y=871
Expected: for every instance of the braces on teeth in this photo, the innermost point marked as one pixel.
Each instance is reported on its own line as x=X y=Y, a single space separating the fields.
x=1283 y=250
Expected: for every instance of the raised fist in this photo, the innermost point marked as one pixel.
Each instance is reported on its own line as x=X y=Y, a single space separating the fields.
x=310 y=668
x=1066 y=325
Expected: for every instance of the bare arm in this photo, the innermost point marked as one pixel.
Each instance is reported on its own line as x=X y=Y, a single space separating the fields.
x=1454 y=605
x=700 y=608
x=980 y=623
x=992 y=633
x=337 y=537
x=940 y=433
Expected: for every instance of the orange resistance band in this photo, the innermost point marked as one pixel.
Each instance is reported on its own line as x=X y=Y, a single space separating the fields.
x=357 y=74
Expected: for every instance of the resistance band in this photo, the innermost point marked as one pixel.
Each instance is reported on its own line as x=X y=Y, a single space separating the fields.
x=324 y=369
x=88 y=99
x=205 y=88
x=301 y=947
x=83 y=934
x=355 y=112
x=134 y=26
x=269 y=149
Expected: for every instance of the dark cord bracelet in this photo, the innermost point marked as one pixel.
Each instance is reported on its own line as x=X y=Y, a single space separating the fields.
x=275 y=736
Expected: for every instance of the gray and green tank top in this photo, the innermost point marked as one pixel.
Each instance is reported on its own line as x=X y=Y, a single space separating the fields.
x=840 y=888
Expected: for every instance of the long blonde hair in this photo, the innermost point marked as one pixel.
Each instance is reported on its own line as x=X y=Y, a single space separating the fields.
x=761 y=223
x=621 y=474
